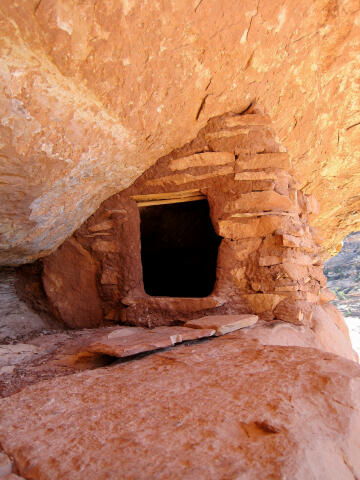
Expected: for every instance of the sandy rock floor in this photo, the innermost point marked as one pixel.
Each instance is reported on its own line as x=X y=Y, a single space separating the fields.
x=224 y=408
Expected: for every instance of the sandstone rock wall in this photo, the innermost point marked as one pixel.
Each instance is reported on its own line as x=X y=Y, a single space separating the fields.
x=268 y=260
x=93 y=93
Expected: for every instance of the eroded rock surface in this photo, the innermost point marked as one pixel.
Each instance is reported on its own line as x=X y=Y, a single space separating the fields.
x=60 y=354
x=229 y=411
x=17 y=318
x=94 y=93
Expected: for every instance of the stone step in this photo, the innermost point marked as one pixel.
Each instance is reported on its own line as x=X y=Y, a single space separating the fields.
x=127 y=341
x=223 y=324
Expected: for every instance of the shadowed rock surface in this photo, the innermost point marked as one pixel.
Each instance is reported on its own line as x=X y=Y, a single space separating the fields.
x=17 y=319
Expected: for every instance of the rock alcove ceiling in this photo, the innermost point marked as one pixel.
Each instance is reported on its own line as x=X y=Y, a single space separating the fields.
x=110 y=105
x=93 y=93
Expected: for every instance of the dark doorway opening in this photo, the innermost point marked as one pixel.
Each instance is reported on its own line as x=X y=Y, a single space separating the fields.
x=178 y=249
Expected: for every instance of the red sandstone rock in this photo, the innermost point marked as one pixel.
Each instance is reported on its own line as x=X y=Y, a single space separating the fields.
x=109 y=277
x=130 y=341
x=291 y=258
x=12 y=476
x=234 y=410
x=244 y=228
x=261 y=302
x=70 y=281
x=306 y=244
x=202 y=160
x=186 y=178
x=176 y=303
x=299 y=312
x=65 y=353
x=245 y=246
x=326 y=295
x=223 y=323
x=182 y=334
x=5 y=465
x=330 y=336
x=105 y=225
x=337 y=318
x=313 y=205
x=259 y=201
x=260 y=175
x=245 y=120
x=264 y=160
x=274 y=332
x=81 y=120
x=106 y=246
x=295 y=271
x=317 y=273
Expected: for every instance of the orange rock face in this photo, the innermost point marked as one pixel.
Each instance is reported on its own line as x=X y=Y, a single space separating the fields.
x=278 y=412
x=92 y=94
x=71 y=273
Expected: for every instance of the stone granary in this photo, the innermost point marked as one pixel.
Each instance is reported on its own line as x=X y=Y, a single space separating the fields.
x=163 y=308
x=217 y=226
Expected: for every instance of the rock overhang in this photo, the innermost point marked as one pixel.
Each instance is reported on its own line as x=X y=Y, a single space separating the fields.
x=81 y=120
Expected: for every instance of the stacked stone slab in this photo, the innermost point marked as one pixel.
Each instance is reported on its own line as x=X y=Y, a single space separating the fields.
x=280 y=271
x=268 y=261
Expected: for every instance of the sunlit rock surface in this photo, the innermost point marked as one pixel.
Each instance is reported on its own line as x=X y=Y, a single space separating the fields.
x=93 y=93
x=278 y=412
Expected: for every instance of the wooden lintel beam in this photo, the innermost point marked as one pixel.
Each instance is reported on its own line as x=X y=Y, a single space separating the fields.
x=171 y=200
x=165 y=196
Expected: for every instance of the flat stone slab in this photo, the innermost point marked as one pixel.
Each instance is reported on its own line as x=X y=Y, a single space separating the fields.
x=127 y=341
x=223 y=323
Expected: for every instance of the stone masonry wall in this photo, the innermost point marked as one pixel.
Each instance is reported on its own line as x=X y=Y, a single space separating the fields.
x=268 y=261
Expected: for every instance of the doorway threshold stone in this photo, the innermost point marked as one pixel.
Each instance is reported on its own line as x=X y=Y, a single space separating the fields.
x=128 y=341
x=223 y=323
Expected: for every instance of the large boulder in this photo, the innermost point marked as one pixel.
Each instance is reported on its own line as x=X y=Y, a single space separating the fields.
x=221 y=409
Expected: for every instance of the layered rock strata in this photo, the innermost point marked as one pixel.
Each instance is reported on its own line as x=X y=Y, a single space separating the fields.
x=268 y=261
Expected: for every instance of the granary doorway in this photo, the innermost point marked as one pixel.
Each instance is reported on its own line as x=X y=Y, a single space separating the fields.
x=179 y=248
